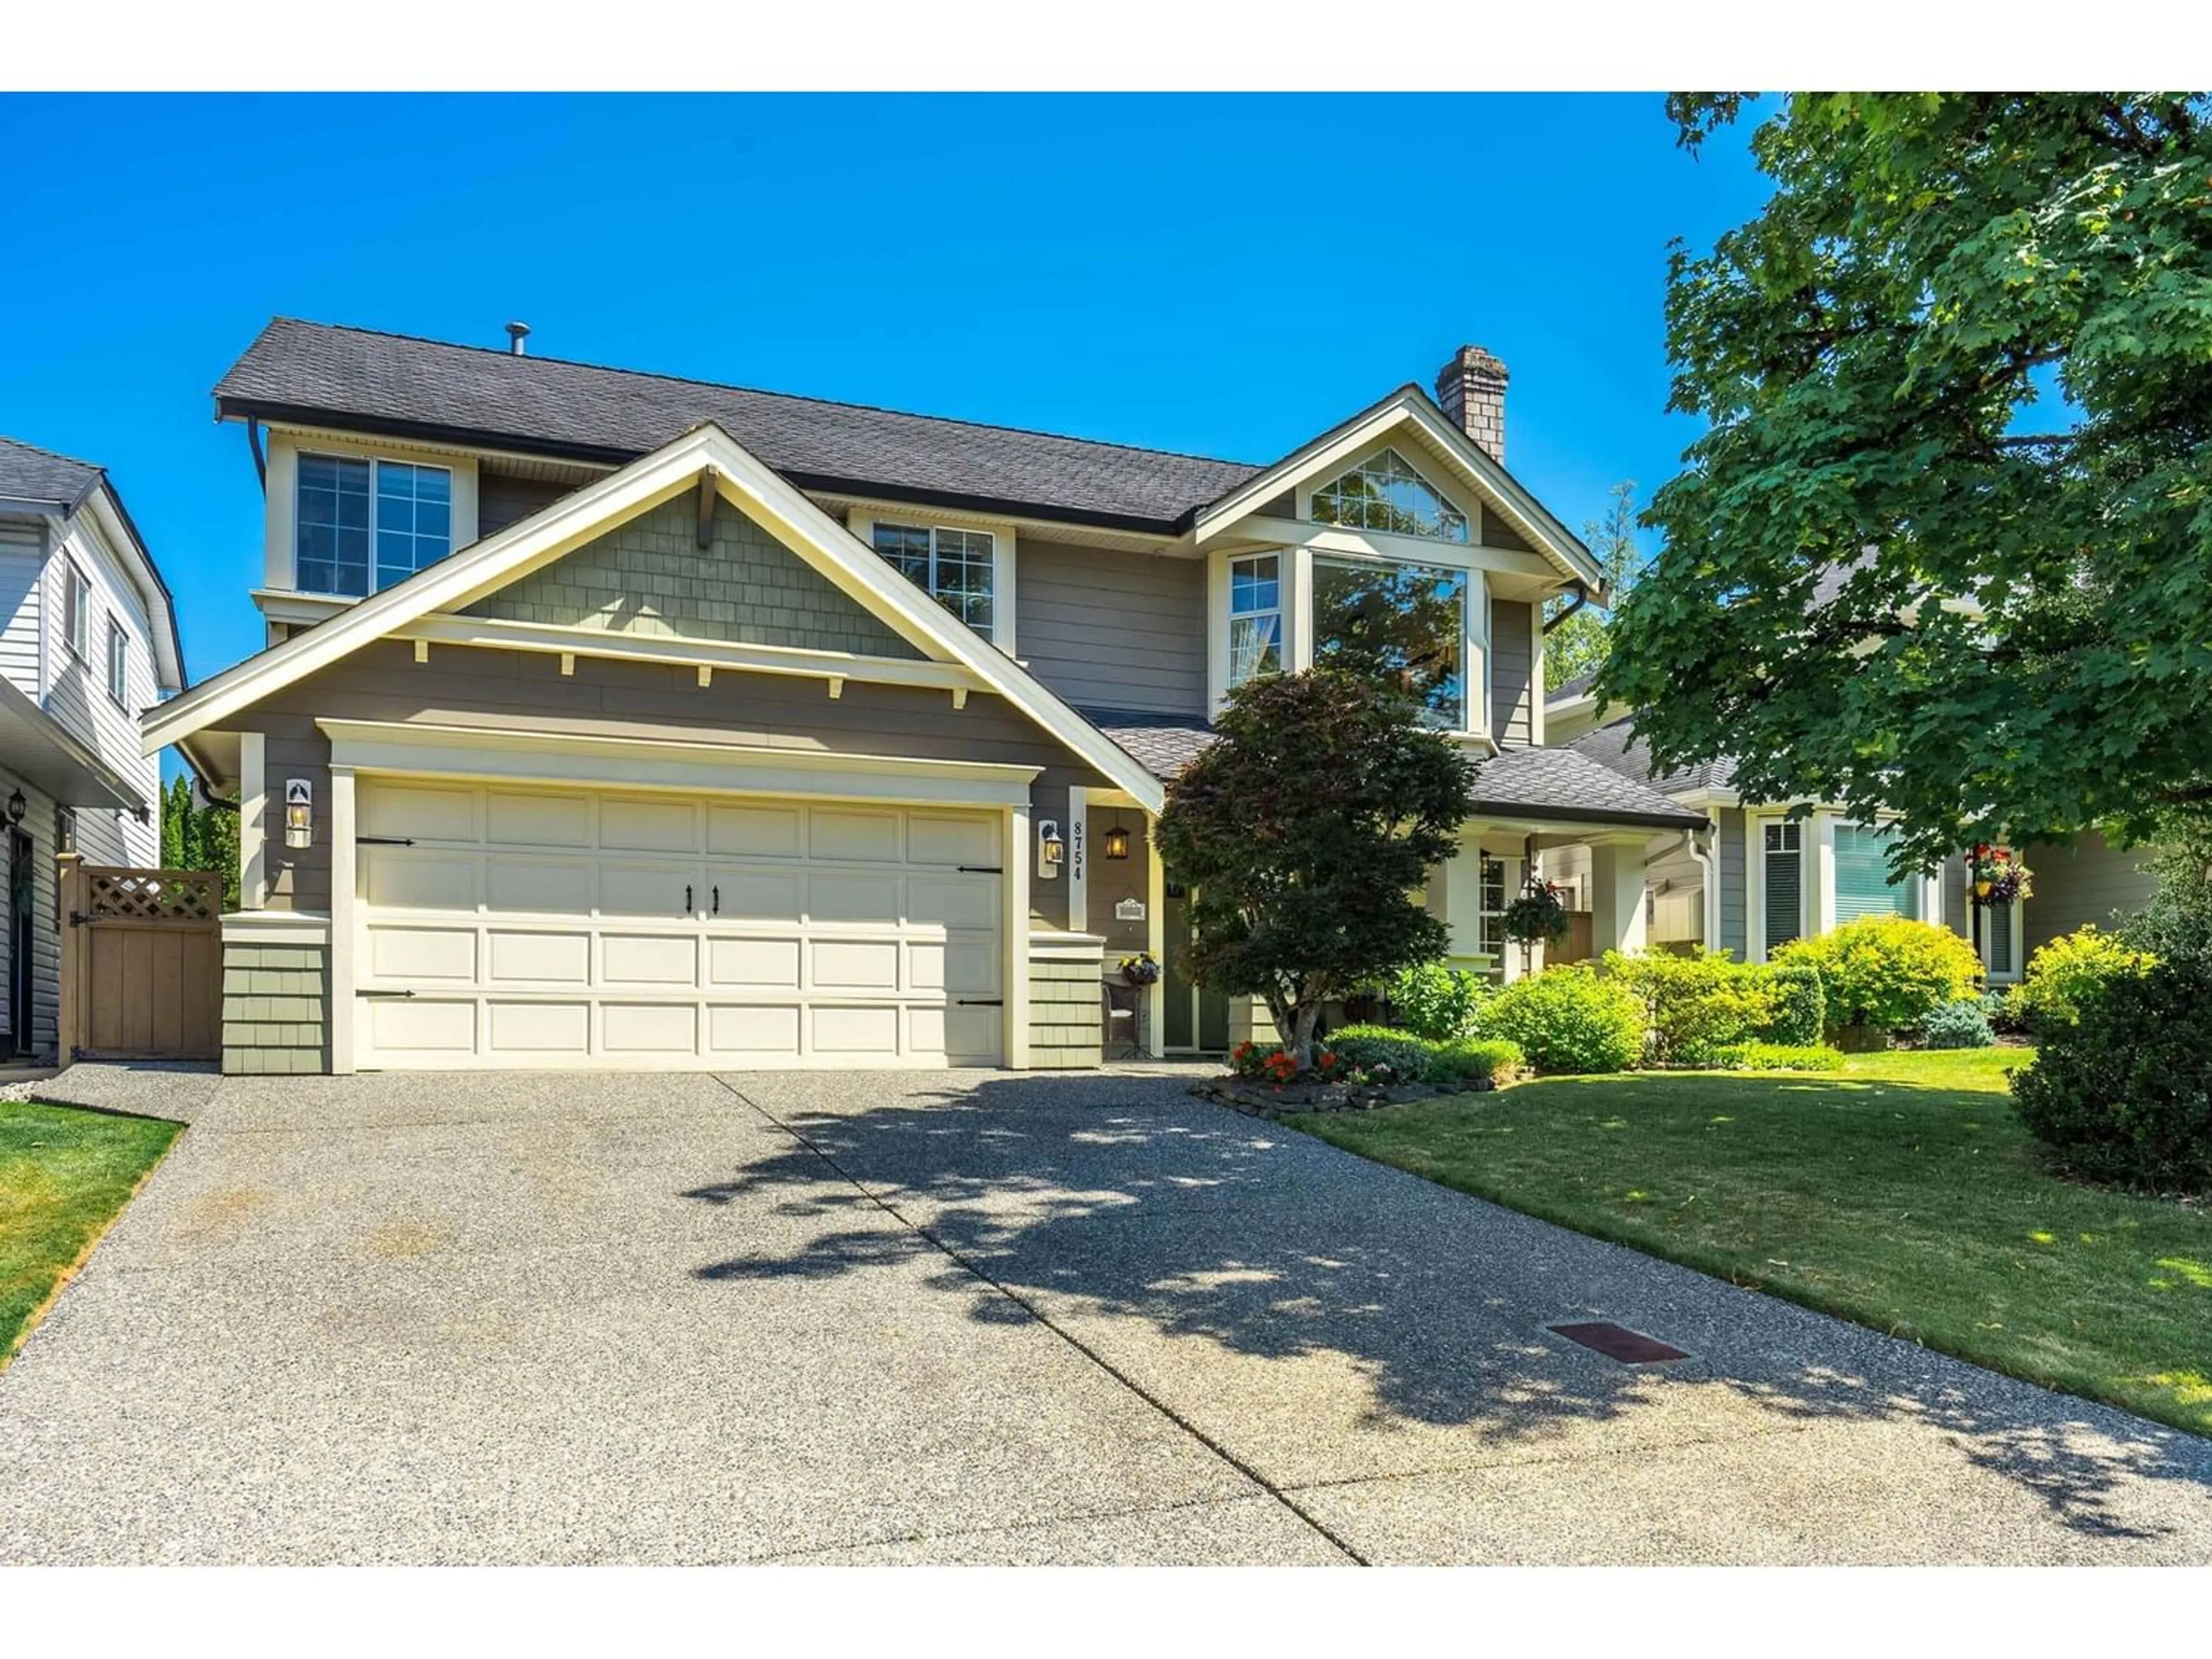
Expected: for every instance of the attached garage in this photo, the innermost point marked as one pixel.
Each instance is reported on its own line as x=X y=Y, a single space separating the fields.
x=502 y=926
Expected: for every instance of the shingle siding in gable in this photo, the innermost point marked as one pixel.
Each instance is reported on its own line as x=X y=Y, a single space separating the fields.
x=1117 y=630
x=1512 y=671
x=650 y=576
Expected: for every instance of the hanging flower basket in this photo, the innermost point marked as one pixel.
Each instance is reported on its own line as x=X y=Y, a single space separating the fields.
x=1143 y=969
x=1998 y=876
x=1539 y=916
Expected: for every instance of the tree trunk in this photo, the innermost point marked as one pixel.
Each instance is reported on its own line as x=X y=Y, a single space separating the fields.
x=1298 y=1038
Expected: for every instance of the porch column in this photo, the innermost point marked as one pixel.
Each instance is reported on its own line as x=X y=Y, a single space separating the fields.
x=1617 y=894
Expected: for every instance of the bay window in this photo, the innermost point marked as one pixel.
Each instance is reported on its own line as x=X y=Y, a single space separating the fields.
x=360 y=526
x=953 y=566
x=1405 y=624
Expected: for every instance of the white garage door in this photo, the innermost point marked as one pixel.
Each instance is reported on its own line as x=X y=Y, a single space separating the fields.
x=508 y=927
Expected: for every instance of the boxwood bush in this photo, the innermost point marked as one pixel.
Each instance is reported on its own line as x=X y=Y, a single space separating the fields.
x=1796 y=1007
x=1473 y=1060
x=1568 y=1019
x=1695 y=1004
x=2124 y=1093
x=1369 y=1046
x=1780 y=1057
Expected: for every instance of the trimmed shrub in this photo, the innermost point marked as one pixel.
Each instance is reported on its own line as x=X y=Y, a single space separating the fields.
x=2124 y=1093
x=1568 y=1019
x=1369 y=1046
x=2069 y=968
x=2004 y=1015
x=1780 y=1057
x=1437 y=1002
x=1888 y=972
x=1797 y=1006
x=1960 y=1025
x=1475 y=1061
x=1694 y=1004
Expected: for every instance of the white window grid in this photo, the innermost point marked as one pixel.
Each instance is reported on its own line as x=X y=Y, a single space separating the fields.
x=1255 y=617
x=1385 y=493
x=362 y=525
x=956 y=567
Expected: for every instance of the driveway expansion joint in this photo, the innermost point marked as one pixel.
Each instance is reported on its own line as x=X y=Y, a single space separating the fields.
x=974 y=1271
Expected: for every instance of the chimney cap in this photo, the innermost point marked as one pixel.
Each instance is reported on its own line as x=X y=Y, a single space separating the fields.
x=516 y=334
x=1476 y=358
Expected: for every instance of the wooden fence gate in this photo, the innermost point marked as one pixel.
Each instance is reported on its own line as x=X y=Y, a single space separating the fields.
x=142 y=964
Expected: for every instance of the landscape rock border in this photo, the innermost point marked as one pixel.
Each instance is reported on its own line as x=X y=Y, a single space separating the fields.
x=1304 y=1099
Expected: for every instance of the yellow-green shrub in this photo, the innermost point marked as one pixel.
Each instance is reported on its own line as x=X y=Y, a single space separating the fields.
x=2066 y=971
x=1888 y=971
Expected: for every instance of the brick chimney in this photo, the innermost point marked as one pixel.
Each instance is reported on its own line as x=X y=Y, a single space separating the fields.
x=1472 y=389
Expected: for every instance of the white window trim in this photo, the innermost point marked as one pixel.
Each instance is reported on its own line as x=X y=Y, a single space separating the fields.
x=2015 y=918
x=1467 y=609
x=76 y=609
x=375 y=463
x=1002 y=535
x=281 y=545
x=1817 y=905
x=1230 y=615
x=1470 y=519
x=118 y=664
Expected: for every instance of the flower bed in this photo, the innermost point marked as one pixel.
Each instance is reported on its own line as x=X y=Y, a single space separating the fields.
x=1310 y=1094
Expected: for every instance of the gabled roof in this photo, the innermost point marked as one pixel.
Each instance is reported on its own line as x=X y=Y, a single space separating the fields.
x=38 y=480
x=1617 y=749
x=1498 y=489
x=314 y=372
x=748 y=484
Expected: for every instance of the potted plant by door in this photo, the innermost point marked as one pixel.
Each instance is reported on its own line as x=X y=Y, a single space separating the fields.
x=1999 y=875
x=1142 y=968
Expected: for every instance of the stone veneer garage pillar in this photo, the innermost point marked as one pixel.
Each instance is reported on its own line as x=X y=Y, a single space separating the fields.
x=275 y=993
x=1066 y=1021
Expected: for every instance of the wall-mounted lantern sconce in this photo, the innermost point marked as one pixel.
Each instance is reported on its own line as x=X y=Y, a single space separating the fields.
x=1052 y=851
x=1117 y=840
x=17 y=807
x=298 y=812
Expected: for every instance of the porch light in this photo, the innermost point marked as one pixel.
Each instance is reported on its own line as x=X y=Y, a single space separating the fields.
x=1052 y=851
x=1117 y=840
x=298 y=812
x=17 y=807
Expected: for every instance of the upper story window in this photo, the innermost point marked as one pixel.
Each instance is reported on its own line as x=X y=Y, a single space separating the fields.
x=363 y=525
x=1383 y=492
x=1255 y=617
x=76 y=610
x=118 y=664
x=1404 y=624
x=954 y=566
x=1863 y=887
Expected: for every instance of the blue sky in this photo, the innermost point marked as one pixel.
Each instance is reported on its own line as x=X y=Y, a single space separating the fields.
x=1222 y=275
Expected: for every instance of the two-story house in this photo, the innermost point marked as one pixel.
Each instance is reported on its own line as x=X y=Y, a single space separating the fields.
x=614 y=719
x=88 y=643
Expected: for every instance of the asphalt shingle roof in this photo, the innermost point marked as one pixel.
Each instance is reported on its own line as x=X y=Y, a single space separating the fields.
x=1614 y=748
x=28 y=473
x=428 y=387
x=1557 y=783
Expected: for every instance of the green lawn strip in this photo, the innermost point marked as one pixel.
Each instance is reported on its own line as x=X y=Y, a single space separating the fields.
x=64 y=1175
x=1903 y=1194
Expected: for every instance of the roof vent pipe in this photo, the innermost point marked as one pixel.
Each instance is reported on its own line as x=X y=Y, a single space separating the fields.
x=516 y=334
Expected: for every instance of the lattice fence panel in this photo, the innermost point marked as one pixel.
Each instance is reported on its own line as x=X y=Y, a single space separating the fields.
x=171 y=895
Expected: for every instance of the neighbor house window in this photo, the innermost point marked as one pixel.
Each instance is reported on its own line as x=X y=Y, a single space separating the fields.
x=1383 y=492
x=76 y=610
x=953 y=566
x=1783 y=866
x=1492 y=908
x=1404 y=624
x=1255 y=617
x=361 y=525
x=119 y=663
x=1863 y=887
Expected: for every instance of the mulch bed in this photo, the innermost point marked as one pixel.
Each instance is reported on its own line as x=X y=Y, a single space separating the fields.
x=1298 y=1099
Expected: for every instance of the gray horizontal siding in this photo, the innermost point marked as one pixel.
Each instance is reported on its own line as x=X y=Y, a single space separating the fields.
x=2090 y=881
x=1113 y=630
x=1729 y=853
x=1512 y=671
x=502 y=500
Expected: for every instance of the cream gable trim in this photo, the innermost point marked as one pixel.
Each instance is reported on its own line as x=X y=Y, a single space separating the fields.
x=562 y=526
x=1500 y=491
x=509 y=755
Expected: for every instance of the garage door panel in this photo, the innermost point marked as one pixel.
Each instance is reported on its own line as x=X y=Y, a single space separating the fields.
x=764 y=962
x=649 y=889
x=854 y=965
x=767 y=832
x=951 y=841
x=414 y=1026
x=436 y=954
x=951 y=901
x=971 y=1035
x=415 y=811
x=649 y=1028
x=411 y=879
x=768 y=1031
x=533 y=820
x=648 y=826
x=849 y=895
x=516 y=956
x=852 y=836
x=757 y=895
x=844 y=1030
x=526 y=886
x=635 y=959
x=538 y=1028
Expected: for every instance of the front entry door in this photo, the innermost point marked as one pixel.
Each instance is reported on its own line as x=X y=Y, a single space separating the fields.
x=21 y=901
x=1191 y=1018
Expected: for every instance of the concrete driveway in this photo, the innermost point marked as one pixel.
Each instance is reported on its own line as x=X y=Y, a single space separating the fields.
x=965 y=1317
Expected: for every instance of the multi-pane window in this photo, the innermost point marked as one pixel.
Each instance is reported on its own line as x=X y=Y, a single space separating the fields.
x=1782 y=865
x=953 y=566
x=76 y=610
x=118 y=664
x=1492 y=907
x=1403 y=624
x=362 y=526
x=1255 y=617
x=1384 y=493
x=1863 y=887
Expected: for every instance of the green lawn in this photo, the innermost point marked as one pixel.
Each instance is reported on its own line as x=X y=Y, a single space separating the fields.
x=1903 y=1194
x=64 y=1174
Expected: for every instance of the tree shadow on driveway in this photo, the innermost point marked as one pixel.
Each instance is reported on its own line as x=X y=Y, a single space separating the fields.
x=1330 y=1319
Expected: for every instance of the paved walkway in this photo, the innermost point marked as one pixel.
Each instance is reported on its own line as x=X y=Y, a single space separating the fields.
x=961 y=1317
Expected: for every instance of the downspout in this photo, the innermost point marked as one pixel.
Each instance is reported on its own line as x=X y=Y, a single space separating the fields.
x=1709 y=867
x=260 y=461
x=1581 y=597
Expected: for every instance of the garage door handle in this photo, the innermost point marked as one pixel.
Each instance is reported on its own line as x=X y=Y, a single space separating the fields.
x=717 y=890
x=978 y=869
x=688 y=906
x=387 y=993
x=982 y=1002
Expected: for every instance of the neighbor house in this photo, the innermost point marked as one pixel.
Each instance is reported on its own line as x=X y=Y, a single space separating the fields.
x=613 y=720
x=88 y=643
x=1760 y=877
